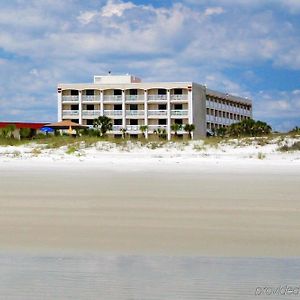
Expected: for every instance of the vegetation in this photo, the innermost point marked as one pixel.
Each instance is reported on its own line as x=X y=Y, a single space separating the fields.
x=123 y=130
x=103 y=124
x=144 y=130
x=295 y=130
x=176 y=127
x=161 y=132
x=25 y=133
x=189 y=128
x=294 y=147
x=7 y=132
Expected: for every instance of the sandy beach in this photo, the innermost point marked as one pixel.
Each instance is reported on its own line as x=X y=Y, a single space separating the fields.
x=158 y=206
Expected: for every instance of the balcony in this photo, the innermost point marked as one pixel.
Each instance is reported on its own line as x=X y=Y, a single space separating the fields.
x=132 y=127
x=157 y=98
x=91 y=113
x=70 y=98
x=71 y=113
x=183 y=97
x=179 y=112
x=155 y=113
x=152 y=128
x=133 y=113
x=113 y=113
x=90 y=98
x=112 y=98
x=117 y=127
x=134 y=98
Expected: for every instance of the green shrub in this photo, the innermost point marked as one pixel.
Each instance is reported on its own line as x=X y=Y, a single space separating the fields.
x=294 y=147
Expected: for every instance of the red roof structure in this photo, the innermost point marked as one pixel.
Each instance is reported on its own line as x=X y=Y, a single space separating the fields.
x=23 y=125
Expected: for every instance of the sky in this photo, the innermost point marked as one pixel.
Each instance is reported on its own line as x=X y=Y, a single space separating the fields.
x=249 y=48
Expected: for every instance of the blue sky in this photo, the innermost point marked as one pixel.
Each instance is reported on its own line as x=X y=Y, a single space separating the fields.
x=247 y=48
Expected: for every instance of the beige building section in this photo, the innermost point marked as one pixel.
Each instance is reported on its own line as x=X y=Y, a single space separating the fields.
x=131 y=103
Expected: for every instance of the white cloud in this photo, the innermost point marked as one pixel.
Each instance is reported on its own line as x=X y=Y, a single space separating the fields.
x=213 y=11
x=116 y=8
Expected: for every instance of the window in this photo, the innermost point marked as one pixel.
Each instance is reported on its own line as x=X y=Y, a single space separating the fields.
x=90 y=107
x=117 y=92
x=133 y=107
x=75 y=121
x=162 y=92
x=118 y=107
x=177 y=91
x=74 y=107
x=178 y=106
x=90 y=92
x=162 y=106
x=118 y=122
x=133 y=92
x=134 y=136
x=74 y=93
x=89 y=122
x=178 y=121
x=133 y=122
x=162 y=121
x=118 y=136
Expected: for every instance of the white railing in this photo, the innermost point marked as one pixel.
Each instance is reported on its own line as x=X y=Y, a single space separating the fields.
x=159 y=112
x=117 y=98
x=88 y=98
x=117 y=127
x=70 y=112
x=157 y=97
x=156 y=127
x=113 y=112
x=91 y=113
x=70 y=98
x=133 y=127
x=135 y=112
x=179 y=97
x=179 y=112
x=134 y=97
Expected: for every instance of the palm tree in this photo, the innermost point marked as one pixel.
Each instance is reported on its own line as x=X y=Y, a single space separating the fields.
x=103 y=124
x=123 y=130
x=176 y=127
x=144 y=129
x=189 y=128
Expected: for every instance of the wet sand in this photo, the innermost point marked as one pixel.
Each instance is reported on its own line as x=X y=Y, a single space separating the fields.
x=169 y=209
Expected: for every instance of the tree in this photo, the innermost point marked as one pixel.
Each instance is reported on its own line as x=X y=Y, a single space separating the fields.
x=123 y=130
x=248 y=127
x=176 y=127
x=25 y=133
x=189 y=128
x=7 y=131
x=144 y=129
x=103 y=124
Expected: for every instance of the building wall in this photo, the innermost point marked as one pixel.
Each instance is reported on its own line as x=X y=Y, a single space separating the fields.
x=199 y=113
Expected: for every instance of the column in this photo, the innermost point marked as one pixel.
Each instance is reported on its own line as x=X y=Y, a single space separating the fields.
x=59 y=104
x=146 y=111
x=190 y=105
x=80 y=107
x=169 y=114
x=101 y=104
x=123 y=109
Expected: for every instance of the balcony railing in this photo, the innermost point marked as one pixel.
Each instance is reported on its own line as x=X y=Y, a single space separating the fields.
x=156 y=127
x=157 y=97
x=159 y=112
x=117 y=127
x=88 y=98
x=113 y=112
x=179 y=112
x=70 y=98
x=70 y=112
x=134 y=97
x=112 y=98
x=133 y=127
x=95 y=113
x=182 y=97
x=135 y=112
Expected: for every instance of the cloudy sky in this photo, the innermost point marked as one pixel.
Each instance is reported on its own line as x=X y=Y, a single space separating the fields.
x=244 y=47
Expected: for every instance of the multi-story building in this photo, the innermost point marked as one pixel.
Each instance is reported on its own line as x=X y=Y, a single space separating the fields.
x=131 y=103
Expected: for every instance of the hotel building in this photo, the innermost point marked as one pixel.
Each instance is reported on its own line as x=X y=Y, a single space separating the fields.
x=131 y=103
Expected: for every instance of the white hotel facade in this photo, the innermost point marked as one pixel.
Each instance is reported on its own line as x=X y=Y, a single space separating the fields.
x=131 y=103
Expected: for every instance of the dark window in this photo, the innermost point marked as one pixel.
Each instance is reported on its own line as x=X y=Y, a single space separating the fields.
x=162 y=121
x=162 y=106
x=178 y=91
x=178 y=121
x=118 y=107
x=117 y=92
x=118 y=136
x=178 y=106
x=133 y=107
x=134 y=136
x=133 y=92
x=162 y=92
x=133 y=122
x=74 y=93
x=90 y=107
x=89 y=122
x=90 y=92
x=74 y=107
x=117 y=121
x=75 y=121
